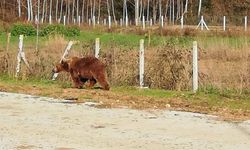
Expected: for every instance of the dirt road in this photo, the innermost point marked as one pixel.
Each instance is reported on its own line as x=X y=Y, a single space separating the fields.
x=29 y=122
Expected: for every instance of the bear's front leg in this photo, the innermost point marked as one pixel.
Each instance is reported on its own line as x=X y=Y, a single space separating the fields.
x=76 y=80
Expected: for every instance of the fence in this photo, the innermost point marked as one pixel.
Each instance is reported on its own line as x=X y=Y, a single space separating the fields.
x=167 y=66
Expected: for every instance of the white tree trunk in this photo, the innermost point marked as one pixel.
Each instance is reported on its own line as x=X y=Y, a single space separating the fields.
x=108 y=8
x=93 y=9
x=73 y=10
x=186 y=6
x=50 y=12
x=160 y=12
x=113 y=10
x=31 y=11
x=28 y=10
x=99 y=11
x=56 y=10
x=61 y=9
x=199 y=9
x=148 y=11
x=77 y=10
x=83 y=1
x=43 y=13
x=19 y=8
x=136 y=12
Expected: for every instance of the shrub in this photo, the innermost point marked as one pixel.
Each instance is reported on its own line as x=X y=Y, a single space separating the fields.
x=30 y=30
x=23 y=29
x=72 y=31
x=52 y=29
x=59 y=29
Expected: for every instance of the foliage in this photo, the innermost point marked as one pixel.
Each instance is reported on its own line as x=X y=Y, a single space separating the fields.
x=22 y=29
x=60 y=29
x=30 y=30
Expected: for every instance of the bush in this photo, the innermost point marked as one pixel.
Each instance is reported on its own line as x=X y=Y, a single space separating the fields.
x=59 y=29
x=22 y=29
x=72 y=31
x=52 y=29
x=30 y=30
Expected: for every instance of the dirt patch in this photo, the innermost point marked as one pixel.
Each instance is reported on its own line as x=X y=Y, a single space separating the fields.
x=111 y=99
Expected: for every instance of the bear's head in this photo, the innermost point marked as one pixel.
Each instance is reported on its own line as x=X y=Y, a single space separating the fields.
x=62 y=66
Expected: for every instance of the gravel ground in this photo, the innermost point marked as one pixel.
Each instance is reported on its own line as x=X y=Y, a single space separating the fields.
x=30 y=122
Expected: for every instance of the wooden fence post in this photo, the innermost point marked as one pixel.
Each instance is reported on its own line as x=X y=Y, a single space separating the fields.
x=64 y=20
x=109 y=22
x=141 y=63
x=162 y=22
x=143 y=22
x=97 y=47
x=79 y=21
x=93 y=21
x=182 y=22
x=245 y=23
x=195 y=67
x=126 y=21
x=50 y=19
x=21 y=56
x=8 y=42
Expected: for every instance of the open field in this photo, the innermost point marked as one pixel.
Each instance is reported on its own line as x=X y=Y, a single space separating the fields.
x=223 y=71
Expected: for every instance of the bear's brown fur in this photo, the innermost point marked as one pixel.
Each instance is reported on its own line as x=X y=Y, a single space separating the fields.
x=84 y=69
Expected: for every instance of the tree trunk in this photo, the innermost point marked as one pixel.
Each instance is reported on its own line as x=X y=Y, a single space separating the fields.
x=148 y=11
x=43 y=12
x=56 y=10
x=68 y=12
x=136 y=12
x=160 y=13
x=31 y=11
x=108 y=7
x=87 y=9
x=99 y=12
x=19 y=8
x=61 y=10
x=50 y=11
x=77 y=10
x=154 y=11
x=113 y=10
x=83 y=1
x=28 y=10
x=199 y=9
x=167 y=4
x=73 y=10
x=93 y=9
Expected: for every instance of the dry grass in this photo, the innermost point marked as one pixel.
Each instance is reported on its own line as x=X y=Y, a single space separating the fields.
x=166 y=66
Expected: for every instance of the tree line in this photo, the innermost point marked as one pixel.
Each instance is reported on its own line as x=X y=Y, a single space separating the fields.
x=171 y=10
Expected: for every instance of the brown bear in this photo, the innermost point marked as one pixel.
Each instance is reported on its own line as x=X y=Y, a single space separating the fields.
x=84 y=69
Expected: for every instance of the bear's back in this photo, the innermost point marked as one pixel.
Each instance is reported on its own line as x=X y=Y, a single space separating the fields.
x=88 y=62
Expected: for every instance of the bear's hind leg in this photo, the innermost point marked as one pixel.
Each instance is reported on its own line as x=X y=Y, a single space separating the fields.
x=92 y=82
x=103 y=82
